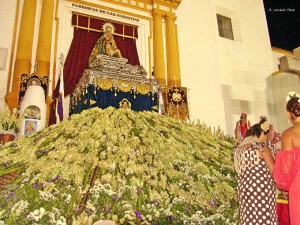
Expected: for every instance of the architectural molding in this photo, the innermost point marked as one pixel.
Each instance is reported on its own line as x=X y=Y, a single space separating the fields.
x=142 y=5
x=282 y=51
x=84 y=4
x=277 y=73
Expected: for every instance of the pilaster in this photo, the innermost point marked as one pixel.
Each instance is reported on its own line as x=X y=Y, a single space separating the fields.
x=43 y=55
x=173 y=64
x=24 y=51
x=44 y=40
x=158 y=48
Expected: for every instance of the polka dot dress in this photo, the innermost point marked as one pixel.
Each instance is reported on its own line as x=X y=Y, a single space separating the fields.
x=256 y=189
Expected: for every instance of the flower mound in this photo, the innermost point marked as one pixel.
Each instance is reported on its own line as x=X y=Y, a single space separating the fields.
x=120 y=165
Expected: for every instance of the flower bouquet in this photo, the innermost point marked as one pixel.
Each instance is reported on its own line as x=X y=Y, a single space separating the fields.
x=9 y=122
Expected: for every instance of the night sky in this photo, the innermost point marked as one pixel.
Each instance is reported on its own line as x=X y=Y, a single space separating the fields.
x=283 y=17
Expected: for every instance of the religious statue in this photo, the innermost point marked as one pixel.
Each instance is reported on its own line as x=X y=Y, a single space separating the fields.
x=125 y=104
x=106 y=44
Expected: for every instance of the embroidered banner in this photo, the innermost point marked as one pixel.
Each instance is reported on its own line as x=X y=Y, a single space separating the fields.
x=175 y=102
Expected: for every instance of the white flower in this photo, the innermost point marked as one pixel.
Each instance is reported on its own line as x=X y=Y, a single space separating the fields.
x=19 y=207
x=149 y=217
x=265 y=126
x=68 y=198
x=112 y=166
x=37 y=214
x=292 y=94
x=46 y=195
x=61 y=221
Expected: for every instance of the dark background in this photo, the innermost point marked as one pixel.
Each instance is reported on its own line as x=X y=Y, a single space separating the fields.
x=283 y=18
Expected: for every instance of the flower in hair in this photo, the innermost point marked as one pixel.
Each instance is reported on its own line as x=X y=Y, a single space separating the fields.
x=292 y=94
x=265 y=126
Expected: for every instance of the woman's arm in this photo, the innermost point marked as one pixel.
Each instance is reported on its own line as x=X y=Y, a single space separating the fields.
x=286 y=140
x=268 y=158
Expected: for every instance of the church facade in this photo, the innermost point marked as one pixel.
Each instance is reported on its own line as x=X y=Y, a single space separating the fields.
x=218 y=52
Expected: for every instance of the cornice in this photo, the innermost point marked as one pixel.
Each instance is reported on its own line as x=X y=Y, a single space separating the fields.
x=282 y=51
x=277 y=73
x=168 y=3
x=144 y=5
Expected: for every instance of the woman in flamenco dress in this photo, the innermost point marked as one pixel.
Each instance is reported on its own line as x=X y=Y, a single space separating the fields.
x=287 y=162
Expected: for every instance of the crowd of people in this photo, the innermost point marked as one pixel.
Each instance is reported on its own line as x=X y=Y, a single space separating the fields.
x=267 y=163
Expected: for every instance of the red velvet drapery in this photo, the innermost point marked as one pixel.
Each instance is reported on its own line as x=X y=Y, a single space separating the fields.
x=77 y=58
x=128 y=49
x=87 y=31
x=85 y=37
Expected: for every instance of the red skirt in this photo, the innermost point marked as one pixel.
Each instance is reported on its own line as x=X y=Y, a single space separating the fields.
x=282 y=208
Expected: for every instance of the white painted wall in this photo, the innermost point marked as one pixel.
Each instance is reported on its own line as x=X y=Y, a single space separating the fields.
x=225 y=77
x=282 y=84
x=7 y=18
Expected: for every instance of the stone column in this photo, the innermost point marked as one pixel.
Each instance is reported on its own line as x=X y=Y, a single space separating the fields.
x=158 y=48
x=173 y=67
x=43 y=53
x=24 y=51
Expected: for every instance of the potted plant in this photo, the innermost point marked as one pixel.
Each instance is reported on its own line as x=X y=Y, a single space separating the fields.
x=9 y=125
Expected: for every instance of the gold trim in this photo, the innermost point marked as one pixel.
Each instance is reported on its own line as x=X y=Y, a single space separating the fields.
x=98 y=17
x=282 y=51
x=124 y=86
x=133 y=31
x=125 y=104
x=96 y=30
x=277 y=73
x=77 y=19
x=99 y=31
x=143 y=88
x=13 y=45
x=284 y=201
x=55 y=47
x=105 y=84
x=150 y=58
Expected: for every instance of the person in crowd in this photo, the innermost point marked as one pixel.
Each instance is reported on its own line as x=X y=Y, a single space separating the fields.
x=254 y=162
x=241 y=127
x=282 y=206
x=286 y=169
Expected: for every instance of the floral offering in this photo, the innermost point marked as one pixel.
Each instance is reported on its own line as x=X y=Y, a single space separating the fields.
x=119 y=165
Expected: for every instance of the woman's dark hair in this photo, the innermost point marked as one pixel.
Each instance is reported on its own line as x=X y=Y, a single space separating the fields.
x=293 y=106
x=256 y=130
x=243 y=115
